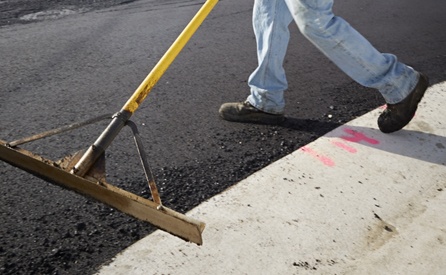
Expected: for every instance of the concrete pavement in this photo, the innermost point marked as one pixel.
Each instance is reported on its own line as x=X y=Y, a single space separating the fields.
x=355 y=201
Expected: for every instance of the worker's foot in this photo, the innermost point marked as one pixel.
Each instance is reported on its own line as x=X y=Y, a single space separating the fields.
x=245 y=112
x=398 y=115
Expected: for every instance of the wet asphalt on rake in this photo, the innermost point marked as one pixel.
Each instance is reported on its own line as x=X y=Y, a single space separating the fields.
x=84 y=172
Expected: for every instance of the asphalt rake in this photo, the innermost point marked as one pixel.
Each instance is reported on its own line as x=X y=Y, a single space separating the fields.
x=84 y=171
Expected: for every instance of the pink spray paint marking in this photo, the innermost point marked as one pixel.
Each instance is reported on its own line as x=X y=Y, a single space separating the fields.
x=345 y=147
x=357 y=137
x=325 y=160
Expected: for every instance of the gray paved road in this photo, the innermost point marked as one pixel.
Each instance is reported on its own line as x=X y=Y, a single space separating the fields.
x=82 y=65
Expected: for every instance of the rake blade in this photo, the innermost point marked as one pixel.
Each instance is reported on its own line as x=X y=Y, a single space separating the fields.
x=164 y=218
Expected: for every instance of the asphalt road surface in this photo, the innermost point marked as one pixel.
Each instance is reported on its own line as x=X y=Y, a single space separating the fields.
x=67 y=61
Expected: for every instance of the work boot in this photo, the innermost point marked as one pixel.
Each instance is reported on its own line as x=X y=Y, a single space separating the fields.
x=398 y=115
x=245 y=112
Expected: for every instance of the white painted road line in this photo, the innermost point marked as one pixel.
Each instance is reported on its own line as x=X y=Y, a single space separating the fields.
x=355 y=201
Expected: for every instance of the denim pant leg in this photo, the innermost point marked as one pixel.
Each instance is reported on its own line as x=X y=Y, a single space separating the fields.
x=350 y=51
x=271 y=19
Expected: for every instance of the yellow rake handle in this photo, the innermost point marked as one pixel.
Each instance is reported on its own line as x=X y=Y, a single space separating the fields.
x=120 y=119
x=146 y=86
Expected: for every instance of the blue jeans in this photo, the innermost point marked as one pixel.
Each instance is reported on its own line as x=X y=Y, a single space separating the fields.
x=334 y=37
